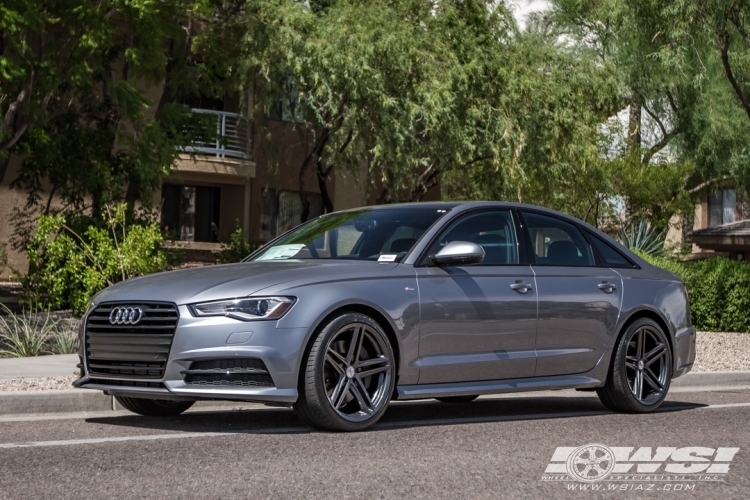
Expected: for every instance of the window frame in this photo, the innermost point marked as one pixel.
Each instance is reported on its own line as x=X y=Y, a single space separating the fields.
x=424 y=258
x=531 y=255
x=589 y=235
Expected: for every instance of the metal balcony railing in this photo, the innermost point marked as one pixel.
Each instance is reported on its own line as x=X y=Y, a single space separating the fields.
x=232 y=138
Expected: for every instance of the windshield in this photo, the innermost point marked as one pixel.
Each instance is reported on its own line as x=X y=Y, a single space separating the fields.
x=384 y=235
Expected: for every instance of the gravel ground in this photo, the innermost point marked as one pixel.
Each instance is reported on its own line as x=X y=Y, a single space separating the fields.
x=37 y=384
x=716 y=352
x=722 y=352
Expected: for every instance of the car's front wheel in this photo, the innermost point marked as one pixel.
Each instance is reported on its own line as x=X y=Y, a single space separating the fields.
x=641 y=370
x=154 y=407
x=348 y=376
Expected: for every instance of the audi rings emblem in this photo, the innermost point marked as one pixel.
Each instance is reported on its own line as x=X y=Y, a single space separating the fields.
x=125 y=315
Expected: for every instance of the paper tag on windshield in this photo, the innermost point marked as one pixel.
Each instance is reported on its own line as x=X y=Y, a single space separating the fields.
x=280 y=252
x=387 y=257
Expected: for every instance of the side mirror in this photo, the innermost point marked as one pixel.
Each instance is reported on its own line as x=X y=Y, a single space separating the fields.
x=458 y=253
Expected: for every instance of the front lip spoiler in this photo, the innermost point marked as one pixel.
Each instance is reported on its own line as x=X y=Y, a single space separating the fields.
x=178 y=390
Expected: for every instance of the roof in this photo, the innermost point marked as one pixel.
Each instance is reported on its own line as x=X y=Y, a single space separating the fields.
x=739 y=228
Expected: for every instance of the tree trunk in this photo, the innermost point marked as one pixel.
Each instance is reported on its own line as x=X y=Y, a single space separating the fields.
x=322 y=178
x=4 y=166
x=634 y=125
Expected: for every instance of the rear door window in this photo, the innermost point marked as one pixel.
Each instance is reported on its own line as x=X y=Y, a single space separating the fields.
x=556 y=242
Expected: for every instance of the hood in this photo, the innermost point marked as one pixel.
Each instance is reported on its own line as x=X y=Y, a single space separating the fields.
x=230 y=280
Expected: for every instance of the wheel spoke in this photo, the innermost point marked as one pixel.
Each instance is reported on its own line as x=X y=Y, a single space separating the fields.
x=631 y=364
x=640 y=346
x=339 y=392
x=655 y=354
x=652 y=380
x=373 y=371
x=360 y=392
x=371 y=362
x=335 y=355
x=355 y=345
x=638 y=385
x=600 y=469
x=336 y=364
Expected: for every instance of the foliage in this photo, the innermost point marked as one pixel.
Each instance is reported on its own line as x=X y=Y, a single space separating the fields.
x=74 y=81
x=67 y=268
x=34 y=332
x=24 y=335
x=686 y=121
x=644 y=238
x=412 y=88
x=236 y=248
x=718 y=291
x=3 y=259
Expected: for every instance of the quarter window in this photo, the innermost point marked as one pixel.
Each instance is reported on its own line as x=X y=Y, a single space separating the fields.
x=492 y=230
x=612 y=257
x=556 y=242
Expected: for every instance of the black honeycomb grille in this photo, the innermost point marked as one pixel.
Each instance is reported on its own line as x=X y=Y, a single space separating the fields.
x=242 y=372
x=133 y=351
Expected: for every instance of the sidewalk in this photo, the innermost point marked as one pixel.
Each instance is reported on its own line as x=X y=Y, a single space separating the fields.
x=38 y=367
x=81 y=400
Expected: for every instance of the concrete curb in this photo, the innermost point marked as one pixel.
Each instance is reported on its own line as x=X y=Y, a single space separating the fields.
x=712 y=379
x=85 y=401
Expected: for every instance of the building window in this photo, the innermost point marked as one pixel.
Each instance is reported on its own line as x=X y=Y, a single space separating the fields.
x=282 y=210
x=722 y=207
x=190 y=213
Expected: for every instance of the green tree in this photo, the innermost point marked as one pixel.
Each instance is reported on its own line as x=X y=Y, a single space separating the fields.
x=687 y=129
x=407 y=86
x=73 y=83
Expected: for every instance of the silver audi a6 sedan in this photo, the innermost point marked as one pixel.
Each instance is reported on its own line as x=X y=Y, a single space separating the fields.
x=430 y=300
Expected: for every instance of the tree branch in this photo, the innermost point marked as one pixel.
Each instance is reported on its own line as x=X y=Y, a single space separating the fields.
x=724 y=47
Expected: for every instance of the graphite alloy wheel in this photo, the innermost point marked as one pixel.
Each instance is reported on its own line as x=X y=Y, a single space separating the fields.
x=154 y=407
x=458 y=399
x=348 y=377
x=641 y=370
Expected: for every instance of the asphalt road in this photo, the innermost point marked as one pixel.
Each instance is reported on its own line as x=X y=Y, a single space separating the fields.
x=491 y=448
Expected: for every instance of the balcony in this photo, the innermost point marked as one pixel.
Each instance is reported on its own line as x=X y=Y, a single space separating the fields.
x=231 y=139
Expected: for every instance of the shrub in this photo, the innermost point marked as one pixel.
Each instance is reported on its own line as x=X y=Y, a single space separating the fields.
x=66 y=268
x=24 y=335
x=236 y=249
x=718 y=289
x=35 y=333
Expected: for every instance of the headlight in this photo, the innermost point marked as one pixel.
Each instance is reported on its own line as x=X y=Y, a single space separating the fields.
x=245 y=309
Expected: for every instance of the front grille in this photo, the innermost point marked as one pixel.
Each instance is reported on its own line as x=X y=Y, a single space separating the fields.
x=243 y=372
x=135 y=351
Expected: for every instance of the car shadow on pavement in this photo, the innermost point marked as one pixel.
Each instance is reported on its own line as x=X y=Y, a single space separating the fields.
x=399 y=414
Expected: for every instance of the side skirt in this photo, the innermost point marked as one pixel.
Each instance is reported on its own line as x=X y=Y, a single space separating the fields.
x=426 y=391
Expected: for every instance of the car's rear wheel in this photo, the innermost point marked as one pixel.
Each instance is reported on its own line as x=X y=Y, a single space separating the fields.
x=348 y=376
x=458 y=399
x=154 y=407
x=641 y=370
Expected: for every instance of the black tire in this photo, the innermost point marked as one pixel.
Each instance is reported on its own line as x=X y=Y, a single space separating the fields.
x=337 y=384
x=651 y=360
x=154 y=407
x=458 y=399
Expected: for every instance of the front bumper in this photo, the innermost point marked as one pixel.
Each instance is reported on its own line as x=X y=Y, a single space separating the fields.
x=206 y=339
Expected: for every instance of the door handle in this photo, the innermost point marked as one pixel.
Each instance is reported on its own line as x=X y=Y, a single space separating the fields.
x=607 y=287
x=520 y=286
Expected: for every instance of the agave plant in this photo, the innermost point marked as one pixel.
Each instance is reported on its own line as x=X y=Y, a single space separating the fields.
x=643 y=237
x=64 y=341
x=24 y=335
